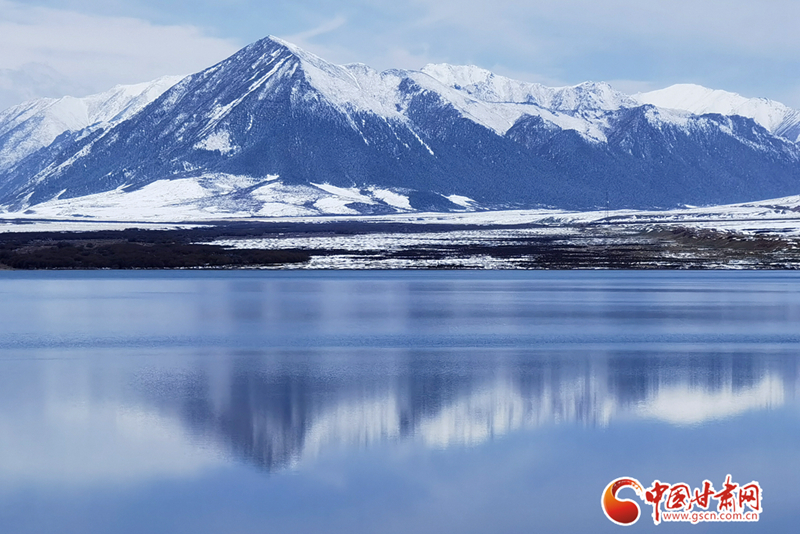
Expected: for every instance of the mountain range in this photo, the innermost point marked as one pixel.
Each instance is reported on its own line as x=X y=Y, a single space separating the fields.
x=275 y=130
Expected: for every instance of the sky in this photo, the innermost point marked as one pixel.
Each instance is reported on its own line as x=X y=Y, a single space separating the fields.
x=78 y=47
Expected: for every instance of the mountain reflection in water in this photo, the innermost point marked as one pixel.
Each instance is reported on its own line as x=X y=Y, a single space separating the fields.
x=277 y=417
x=276 y=409
x=454 y=400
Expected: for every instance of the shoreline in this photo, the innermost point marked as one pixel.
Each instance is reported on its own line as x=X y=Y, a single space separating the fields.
x=400 y=245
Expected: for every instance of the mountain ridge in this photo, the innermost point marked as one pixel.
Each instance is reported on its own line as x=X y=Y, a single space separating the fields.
x=35 y=124
x=265 y=128
x=777 y=118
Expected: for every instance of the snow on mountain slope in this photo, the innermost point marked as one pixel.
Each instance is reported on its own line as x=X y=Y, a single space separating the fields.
x=354 y=87
x=492 y=101
x=489 y=87
x=347 y=139
x=498 y=108
x=773 y=116
x=498 y=102
x=121 y=102
x=32 y=125
x=359 y=88
x=217 y=197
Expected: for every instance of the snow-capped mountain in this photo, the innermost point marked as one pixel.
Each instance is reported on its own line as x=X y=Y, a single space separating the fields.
x=774 y=116
x=29 y=126
x=275 y=130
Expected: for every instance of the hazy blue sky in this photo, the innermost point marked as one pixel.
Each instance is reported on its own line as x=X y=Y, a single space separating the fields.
x=53 y=47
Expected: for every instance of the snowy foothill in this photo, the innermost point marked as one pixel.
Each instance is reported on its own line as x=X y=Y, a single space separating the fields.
x=213 y=197
x=220 y=199
x=778 y=218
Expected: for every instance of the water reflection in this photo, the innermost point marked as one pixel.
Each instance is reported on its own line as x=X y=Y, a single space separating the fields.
x=428 y=401
x=181 y=413
x=276 y=418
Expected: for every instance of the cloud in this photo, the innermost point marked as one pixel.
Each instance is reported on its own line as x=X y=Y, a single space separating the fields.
x=94 y=52
x=741 y=25
x=631 y=87
x=326 y=27
x=737 y=45
x=35 y=80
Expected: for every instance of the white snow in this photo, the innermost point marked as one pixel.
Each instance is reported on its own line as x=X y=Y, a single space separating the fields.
x=462 y=201
x=348 y=194
x=354 y=87
x=222 y=110
x=281 y=209
x=211 y=196
x=221 y=183
x=147 y=203
x=391 y=198
x=335 y=205
x=36 y=124
x=660 y=116
x=219 y=141
x=497 y=102
x=698 y=100
x=489 y=87
x=208 y=197
x=494 y=102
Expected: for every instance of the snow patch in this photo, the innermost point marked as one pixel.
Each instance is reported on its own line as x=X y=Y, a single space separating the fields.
x=219 y=141
x=391 y=198
x=465 y=202
x=350 y=195
x=334 y=205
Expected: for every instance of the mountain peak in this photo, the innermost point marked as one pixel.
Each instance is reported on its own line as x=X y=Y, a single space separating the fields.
x=773 y=116
x=411 y=139
x=271 y=44
x=691 y=97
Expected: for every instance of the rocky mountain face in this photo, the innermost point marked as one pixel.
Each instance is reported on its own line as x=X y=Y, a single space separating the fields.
x=276 y=130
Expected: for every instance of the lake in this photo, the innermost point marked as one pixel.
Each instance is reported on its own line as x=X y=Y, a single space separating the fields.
x=390 y=402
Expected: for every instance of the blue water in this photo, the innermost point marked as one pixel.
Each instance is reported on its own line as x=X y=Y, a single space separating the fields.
x=389 y=401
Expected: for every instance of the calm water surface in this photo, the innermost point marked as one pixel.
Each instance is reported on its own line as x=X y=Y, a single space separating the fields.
x=361 y=402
